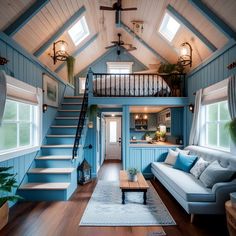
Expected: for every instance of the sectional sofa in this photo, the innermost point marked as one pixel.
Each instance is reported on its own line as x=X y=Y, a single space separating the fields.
x=189 y=191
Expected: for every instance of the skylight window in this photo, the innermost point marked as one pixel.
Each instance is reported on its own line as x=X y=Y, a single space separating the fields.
x=79 y=31
x=169 y=27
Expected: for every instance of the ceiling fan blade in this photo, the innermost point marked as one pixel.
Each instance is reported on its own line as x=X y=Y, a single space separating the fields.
x=131 y=49
x=106 y=8
x=110 y=47
x=129 y=9
x=115 y=42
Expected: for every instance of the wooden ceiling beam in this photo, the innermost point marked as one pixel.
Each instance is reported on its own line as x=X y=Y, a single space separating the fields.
x=214 y=19
x=133 y=34
x=23 y=19
x=78 y=51
x=189 y=26
x=60 y=31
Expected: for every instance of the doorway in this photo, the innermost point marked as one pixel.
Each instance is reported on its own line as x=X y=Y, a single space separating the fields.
x=113 y=138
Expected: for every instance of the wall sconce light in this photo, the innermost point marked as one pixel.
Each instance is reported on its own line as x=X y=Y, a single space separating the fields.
x=185 y=54
x=191 y=108
x=45 y=107
x=141 y=116
x=90 y=125
x=59 y=51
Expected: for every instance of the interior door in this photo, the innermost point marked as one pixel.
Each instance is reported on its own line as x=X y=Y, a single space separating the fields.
x=113 y=138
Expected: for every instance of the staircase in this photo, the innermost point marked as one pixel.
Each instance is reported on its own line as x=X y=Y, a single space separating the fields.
x=53 y=175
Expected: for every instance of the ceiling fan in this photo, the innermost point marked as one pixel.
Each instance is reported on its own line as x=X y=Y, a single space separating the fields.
x=120 y=43
x=117 y=6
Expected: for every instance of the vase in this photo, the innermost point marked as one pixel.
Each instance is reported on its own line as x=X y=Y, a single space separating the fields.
x=4 y=211
x=133 y=178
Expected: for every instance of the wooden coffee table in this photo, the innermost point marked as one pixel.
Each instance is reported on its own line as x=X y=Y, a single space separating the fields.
x=128 y=186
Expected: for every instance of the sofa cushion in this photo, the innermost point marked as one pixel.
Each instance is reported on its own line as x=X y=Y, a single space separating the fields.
x=215 y=173
x=184 y=162
x=171 y=157
x=185 y=184
x=199 y=167
x=186 y=152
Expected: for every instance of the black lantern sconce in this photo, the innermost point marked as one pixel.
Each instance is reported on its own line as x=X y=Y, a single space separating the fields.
x=191 y=108
x=59 y=51
x=45 y=107
x=84 y=173
x=185 y=54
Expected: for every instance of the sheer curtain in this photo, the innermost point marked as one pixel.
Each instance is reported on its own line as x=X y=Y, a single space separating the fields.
x=232 y=96
x=195 y=129
x=3 y=91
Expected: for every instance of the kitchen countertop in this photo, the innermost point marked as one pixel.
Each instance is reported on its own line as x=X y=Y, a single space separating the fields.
x=144 y=143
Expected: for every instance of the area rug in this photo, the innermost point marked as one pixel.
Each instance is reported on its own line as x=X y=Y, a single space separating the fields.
x=105 y=209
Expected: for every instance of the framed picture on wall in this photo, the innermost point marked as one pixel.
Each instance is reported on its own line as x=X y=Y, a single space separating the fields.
x=50 y=91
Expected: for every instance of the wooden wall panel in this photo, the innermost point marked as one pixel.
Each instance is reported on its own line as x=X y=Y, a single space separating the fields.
x=30 y=72
x=213 y=72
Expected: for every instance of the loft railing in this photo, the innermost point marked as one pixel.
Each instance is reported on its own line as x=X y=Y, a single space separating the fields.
x=138 y=85
x=82 y=117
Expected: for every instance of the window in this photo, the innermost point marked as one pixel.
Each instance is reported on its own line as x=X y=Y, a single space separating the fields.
x=79 y=31
x=82 y=81
x=17 y=128
x=119 y=67
x=20 y=131
x=113 y=133
x=169 y=27
x=216 y=116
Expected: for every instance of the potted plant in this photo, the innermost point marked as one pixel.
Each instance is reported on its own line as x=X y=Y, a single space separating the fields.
x=132 y=174
x=161 y=135
x=231 y=126
x=7 y=182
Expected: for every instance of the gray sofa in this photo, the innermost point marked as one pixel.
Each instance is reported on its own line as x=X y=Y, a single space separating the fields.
x=190 y=192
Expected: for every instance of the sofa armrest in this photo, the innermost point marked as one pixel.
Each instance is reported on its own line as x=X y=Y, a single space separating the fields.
x=222 y=190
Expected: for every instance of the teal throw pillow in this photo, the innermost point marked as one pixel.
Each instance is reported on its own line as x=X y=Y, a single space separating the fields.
x=185 y=162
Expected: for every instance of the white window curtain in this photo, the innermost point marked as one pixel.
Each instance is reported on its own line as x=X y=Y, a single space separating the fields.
x=232 y=96
x=2 y=93
x=195 y=129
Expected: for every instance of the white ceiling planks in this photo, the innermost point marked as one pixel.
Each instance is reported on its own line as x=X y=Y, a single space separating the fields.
x=10 y=10
x=47 y=21
x=225 y=10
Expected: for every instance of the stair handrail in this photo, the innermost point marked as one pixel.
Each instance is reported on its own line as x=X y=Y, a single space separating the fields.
x=82 y=117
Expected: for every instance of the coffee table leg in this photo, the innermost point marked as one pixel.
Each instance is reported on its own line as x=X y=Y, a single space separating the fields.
x=145 y=197
x=123 y=197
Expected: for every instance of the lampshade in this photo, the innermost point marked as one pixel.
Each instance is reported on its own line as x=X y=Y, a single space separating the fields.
x=59 y=51
x=185 y=54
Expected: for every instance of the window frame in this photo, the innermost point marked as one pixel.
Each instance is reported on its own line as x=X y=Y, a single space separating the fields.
x=218 y=122
x=21 y=87
x=118 y=65
x=72 y=34
x=162 y=30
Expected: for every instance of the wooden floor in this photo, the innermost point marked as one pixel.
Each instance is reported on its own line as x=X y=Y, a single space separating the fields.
x=62 y=218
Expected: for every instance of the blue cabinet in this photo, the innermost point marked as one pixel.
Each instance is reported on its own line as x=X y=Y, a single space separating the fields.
x=142 y=157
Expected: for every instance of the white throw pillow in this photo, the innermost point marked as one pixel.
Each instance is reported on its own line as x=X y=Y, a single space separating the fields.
x=199 y=167
x=185 y=152
x=171 y=157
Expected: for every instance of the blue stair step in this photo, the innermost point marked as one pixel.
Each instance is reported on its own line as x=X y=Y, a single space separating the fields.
x=57 y=150
x=66 y=120
x=45 y=191
x=53 y=161
x=59 y=139
x=73 y=112
x=63 y=129
x=71 y=106
x=73 y=99
x=39 y=175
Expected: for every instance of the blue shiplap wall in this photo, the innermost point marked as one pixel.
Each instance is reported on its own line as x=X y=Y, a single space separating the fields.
x=212 y=72
x=100 y=66
x=24 y=67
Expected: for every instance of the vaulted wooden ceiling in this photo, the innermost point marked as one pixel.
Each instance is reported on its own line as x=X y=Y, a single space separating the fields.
x=50 y=19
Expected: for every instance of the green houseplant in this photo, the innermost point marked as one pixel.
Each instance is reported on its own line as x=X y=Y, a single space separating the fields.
x=132 y=174
x=231 y=126
x=70 y=61
x=161 y=135
x=7 y=182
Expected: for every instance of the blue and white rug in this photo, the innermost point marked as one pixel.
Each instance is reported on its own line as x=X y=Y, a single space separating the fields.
x=105 y=208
